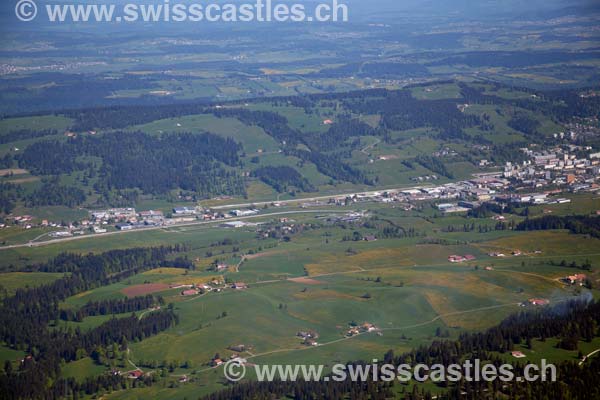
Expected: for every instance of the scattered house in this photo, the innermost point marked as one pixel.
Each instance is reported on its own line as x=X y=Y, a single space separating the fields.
x=239 y=286
x=308 y=335
x=328 y=122
x=135 y=374
x=183 y=379
x=367 y=327
x=456 y=259
x=353 y=331
x=539 y=302
x=215 y=362
x=310 y=342
x=497 y=254
x=577 y=279
x=364 y=328
x=516 y=253
x=238 y=348
x=189 y=292
x=460 y=259
x=222 y=267
x=518 y=354
x=489 y=268
x=370 y=238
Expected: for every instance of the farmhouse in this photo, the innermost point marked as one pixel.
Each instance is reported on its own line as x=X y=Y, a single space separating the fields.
x=539 y=302
x=238 y=348
x=215 y=362
x=460 y=259
x=239 y=286
x=308 y=334
x=577 y=279
x=135 y=374
x=222 y=267
x=189 y=292
x=368 y=327
x=353 y=331
x=518 y=354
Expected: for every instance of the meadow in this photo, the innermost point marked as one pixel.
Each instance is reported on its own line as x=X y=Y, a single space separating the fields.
x=318 y=281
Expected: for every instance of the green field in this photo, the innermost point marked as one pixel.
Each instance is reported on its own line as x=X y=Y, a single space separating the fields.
x=313 y=282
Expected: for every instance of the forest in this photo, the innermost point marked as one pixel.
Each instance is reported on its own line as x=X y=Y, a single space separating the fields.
x=119 y=167
x=282 y=178
x=26 y=317
x=155 y=165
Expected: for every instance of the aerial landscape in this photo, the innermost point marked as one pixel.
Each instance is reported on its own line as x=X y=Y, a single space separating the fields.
x=416 y=183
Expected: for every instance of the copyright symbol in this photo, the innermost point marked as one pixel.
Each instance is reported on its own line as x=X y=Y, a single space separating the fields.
x=26 y=10
x=235 y=370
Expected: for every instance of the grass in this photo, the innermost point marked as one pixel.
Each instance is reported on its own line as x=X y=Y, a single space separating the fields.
x=81 y=369
x=8 y=354
x=11 y=281
x=412 y=290
x=252 y=138
x=35 y=123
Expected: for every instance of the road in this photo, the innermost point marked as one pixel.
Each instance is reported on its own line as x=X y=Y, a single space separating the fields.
x=317 y=198
x=588 y=356
x=153 y=228
x=32 y=243
x=369 y=147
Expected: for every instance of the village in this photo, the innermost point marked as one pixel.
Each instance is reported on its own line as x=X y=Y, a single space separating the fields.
x=539 y=180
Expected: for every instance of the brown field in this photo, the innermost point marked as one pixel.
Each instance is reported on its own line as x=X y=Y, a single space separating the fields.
x=14 y=171
x=259 y=255
x=324 y=294
x=24 y=180
x=141 y=290
x=369 y=259
x=307 y=281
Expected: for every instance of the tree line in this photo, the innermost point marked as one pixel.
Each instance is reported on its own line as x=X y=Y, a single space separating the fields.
x=112 y=306
x=577 y=224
